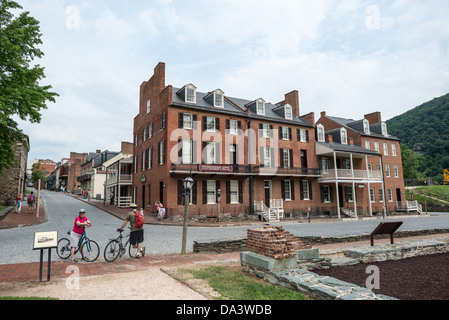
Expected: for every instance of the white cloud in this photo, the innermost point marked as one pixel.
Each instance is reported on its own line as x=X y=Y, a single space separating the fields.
x=345 y=57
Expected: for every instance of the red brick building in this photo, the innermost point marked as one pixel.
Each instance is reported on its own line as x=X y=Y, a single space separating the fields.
x=246 y=156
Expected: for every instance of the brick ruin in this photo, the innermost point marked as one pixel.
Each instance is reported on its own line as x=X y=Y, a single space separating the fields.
x=274 y=242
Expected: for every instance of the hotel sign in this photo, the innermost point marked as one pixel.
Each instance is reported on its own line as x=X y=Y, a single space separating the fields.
x=217 y=168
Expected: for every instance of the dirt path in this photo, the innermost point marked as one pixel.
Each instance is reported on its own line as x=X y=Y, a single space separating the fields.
x=149 y=284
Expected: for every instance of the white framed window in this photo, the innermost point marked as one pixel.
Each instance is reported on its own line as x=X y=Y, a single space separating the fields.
x=376 y=146
x=288 y=112
x=234 y=191
x=344 y=136
x=218 y=99
x=385 y=148
x=162 y=152
x=284 y=133
x=305 y=190
x=211 y=152
x=286 y=158
x=190 y=94
x=393 y=150
x=396 y=171
x=267 y=157
x=387 y=170
x=324 y=165
x=381 y=195
x=187 y=121
x=260 y=107
x=390 y=195
x=320 y=133
x=233 y=127
x=367 y=144
x=210 y=123
x=288 y=190
x=266 y=130
x=148 y=106
x=326 y=194
x=302 y=135
x=384 y=129
x=187 y=154
x=349 y=194
x=371 y=195
x=366 y=129
x=211 y=189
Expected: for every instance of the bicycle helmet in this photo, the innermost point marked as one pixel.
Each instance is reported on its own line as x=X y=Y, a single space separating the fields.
x=82 y=211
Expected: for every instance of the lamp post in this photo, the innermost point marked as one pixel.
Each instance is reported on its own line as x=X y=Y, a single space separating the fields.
x=188 y=184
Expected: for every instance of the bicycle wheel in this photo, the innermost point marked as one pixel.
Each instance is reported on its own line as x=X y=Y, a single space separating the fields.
x=132 y=251
x=112 y=251
x=91 y=250
x=63 y=249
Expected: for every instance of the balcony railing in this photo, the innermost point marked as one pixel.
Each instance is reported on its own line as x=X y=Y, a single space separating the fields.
x=210 y=168
x=124 y=179
x=243 y=169
x=281 y=171
x=348 y=174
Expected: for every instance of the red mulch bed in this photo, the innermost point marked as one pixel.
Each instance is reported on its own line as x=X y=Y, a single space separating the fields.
x=418 y=278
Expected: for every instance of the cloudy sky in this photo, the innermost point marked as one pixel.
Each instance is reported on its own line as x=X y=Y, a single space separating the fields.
x=347 y=58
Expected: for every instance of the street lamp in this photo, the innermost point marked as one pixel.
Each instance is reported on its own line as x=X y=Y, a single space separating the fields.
x=188 y=184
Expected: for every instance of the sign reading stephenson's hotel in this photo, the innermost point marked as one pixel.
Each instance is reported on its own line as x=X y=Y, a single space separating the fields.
x=215 y=168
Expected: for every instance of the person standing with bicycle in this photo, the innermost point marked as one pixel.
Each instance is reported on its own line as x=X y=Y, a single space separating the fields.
x=136 y=235
x=77 y=232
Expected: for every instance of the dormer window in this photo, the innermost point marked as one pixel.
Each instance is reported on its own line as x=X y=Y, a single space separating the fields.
x=188 y=93
x=288 y=112
x=384 y=129
x=191 y=94
x=320 y=133
x=343 y=136
x=260 y=107
x=219 y=99
x=366 y=127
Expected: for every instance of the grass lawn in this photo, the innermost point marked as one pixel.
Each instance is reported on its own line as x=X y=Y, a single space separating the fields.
x=232 y=284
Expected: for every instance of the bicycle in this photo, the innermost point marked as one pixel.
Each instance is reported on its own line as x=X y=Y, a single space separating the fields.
x=116 y=248
x=90 y=250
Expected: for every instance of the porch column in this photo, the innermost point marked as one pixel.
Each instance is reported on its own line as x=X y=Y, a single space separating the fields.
x=369 y=187
x=336 y=185
x=383 y=188
x=354 y=195
x=118 y=195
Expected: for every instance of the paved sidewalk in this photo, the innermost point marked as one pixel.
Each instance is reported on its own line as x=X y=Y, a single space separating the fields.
x=26 y=272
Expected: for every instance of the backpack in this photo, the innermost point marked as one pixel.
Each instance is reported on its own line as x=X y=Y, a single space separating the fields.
x=31 y=198
x=139 y=220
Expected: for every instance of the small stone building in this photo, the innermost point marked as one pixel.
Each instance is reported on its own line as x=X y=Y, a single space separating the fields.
x=12 y=182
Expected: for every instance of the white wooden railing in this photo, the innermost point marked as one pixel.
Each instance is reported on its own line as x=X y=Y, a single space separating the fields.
x=348 y=174
x=409 y=206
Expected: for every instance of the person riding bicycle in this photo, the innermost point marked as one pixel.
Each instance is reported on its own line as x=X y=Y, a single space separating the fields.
x=77 y=232
x=136 y=235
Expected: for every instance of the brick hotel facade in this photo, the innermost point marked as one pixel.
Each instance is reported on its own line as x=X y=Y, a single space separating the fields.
x=250 y=155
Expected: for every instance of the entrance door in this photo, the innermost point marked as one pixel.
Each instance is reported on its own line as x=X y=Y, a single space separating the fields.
x=143 y=196
x=267 y=188
x=398 y=194
x=161 y=192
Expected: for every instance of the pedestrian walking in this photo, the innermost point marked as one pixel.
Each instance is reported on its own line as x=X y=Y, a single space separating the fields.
x=18 y=200
x=136 y=237
x=31 y=202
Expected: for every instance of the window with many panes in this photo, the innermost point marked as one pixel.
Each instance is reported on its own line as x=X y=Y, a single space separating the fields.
x=190 y=95
x=211 y=189
x=234 y=191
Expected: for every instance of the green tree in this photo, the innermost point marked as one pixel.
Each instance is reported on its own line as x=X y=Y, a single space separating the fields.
x=410 y=162
x=20 y=92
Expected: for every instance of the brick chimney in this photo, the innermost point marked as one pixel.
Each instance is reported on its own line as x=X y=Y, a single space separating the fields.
x=374 y=117
x=292 y=99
